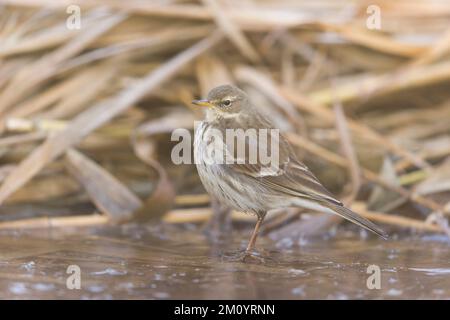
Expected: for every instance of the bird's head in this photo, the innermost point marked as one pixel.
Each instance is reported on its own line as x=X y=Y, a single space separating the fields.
x=225 y=99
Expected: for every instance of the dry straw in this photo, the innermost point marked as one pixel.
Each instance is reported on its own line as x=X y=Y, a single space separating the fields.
x=86 y=115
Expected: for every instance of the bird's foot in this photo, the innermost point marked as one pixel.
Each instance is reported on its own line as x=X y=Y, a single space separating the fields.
x=253 y=257
x=246 y=256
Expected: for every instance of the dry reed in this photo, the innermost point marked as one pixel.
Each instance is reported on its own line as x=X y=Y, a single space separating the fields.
x=86 y=114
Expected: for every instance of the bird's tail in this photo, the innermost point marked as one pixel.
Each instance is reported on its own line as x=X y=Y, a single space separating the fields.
x=355 y=218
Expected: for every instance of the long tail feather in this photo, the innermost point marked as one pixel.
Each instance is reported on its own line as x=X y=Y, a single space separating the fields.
x=355 y=218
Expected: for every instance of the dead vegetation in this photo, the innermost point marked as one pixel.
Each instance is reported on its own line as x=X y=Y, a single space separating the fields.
x=86 y=115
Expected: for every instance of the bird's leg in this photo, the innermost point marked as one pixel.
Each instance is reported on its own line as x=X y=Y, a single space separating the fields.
x=249 y=255
x=251 y=243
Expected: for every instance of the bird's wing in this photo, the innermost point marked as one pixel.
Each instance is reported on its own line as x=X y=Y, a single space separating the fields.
x=285 y=175
x=293 y=178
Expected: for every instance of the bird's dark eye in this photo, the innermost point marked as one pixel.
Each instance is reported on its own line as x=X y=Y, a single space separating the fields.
x=227 y=103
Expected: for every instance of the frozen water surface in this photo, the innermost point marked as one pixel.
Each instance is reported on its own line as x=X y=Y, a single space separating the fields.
x=172 y=262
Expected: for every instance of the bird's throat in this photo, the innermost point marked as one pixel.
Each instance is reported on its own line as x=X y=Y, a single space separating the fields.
x=214 y=114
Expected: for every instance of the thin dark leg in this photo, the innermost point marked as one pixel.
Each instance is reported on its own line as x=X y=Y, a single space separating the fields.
x=251 y=243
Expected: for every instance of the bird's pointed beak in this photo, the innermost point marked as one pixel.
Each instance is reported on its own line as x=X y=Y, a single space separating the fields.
x=202 y=103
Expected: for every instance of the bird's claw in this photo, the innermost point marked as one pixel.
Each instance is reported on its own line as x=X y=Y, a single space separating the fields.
x=246 y=257
x=251 y=257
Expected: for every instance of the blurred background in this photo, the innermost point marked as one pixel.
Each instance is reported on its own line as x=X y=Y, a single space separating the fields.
x=90 y=92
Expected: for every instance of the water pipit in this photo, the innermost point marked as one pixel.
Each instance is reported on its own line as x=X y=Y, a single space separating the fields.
x=245 y=182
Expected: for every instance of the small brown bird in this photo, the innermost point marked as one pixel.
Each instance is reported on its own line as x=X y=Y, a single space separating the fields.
x=252 y=186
